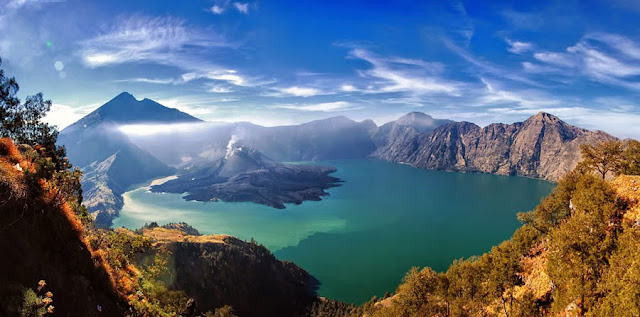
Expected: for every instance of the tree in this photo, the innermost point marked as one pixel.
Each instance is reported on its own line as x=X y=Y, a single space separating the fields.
x=620 y=285
x=420 y=291
x=604 y=157
x=631 y=160
x=580 y=246
x=23 y=121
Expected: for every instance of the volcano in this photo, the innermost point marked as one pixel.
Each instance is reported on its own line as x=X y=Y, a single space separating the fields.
x=245 y=174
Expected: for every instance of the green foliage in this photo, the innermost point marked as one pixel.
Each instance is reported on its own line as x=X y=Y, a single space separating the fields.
x=420 y=292
x=224 y=311
x=603 y=158
x=556 y=206
x=26 y=302
x=580 y=246
x=333 y=308
x=620 y=286
x=22 y=122
x=631 y=159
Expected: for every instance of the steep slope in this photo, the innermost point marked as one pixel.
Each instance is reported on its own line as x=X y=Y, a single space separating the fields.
x=220 y=270
x=43 y=240
x=542 y=147
x=110 y=160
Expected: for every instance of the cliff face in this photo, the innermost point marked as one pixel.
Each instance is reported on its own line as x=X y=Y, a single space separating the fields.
x=542 y=147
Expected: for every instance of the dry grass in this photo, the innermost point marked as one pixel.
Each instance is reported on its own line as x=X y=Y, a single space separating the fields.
x=627 y=188
x=535 y=277
x=163 y=235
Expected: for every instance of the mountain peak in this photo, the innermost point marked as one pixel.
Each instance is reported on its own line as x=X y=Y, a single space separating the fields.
x=544 y=116
x=420 y=121
x=126 y=109
x=412 y=117
x=124 y=96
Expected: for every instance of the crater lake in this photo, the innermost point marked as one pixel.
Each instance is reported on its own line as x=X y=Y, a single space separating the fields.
x=362 y=239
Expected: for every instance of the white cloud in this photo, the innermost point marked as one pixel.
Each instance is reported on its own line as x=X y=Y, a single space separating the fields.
x=325 y=107
x=623 y=44
x=494 y=94
x=217 y=9
x=148 y=80
x=219 y=89
x=228 y=75
x=535 y=68
x=142 y=39
x=605 y=58
x=558 y=59
x=404 y=75
x=300 y=91
x=241 y=7
x=348 y=88
x=518 y=47
x=486 y=67
x=64 y=115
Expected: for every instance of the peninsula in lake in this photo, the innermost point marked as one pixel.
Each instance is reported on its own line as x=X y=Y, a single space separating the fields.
x=244 y=174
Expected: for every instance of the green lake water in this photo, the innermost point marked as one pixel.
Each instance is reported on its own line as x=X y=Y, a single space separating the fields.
x=360 y=240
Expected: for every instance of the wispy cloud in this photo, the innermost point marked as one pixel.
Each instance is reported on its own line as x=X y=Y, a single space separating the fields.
x=403 y=75
x=296 y=91
x=159 y=40
x=147 y=80
x=164 y=41
x=222 y=6
x=324 y=107
x=531 y=99
x=605 y=58
x=518 y=47
x=488 y=67
x=242 y=7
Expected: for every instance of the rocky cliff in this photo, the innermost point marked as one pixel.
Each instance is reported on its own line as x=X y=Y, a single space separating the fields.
x=219 y=270
x=543 y=146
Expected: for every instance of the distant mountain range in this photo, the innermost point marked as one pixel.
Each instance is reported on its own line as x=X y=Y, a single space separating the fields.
x=541 y=147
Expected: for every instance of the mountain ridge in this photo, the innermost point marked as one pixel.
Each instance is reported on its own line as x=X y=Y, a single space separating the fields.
x=543 y=146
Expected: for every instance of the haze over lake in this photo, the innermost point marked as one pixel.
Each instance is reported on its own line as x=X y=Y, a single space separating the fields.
x=364 y=237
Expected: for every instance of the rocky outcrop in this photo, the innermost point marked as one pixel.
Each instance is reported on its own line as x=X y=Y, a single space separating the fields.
x=219 y=270
x=543 y=146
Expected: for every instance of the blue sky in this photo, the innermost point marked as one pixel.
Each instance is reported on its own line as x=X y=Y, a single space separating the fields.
x=285 y=62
